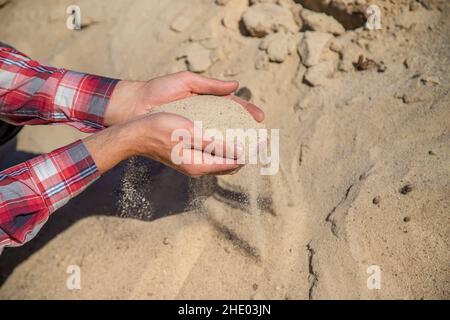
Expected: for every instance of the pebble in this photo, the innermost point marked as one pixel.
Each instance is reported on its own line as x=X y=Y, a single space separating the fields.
x=264 y=18
x=277 y=46
x=198 y=58
x=244 y=93
x=406 y=189
x=321 y=22
x=312 y=45
x=376 y=200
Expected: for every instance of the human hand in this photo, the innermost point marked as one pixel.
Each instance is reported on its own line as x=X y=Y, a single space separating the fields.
x=132 y=99
x=151 y=136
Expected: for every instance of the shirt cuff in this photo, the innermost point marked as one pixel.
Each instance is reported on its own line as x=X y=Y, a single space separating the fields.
x=63 y=174
x=83 y=98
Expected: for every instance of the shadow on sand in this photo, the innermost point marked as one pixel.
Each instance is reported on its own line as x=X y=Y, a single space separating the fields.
x=166 y=189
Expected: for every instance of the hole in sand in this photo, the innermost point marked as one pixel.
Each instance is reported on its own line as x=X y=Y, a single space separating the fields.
x=350 y=18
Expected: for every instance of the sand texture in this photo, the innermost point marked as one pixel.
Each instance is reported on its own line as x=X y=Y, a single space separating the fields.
x=364 y=175
x=213 y=113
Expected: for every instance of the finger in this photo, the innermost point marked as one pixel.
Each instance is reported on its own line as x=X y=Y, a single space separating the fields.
x=204 y=85
x=213 y=144
x=210 y=164
x=255 y=111
x=223 y=149
x=230 y=173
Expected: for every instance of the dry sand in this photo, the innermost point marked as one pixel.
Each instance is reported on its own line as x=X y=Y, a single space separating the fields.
x=214 y=112
x=365 y=155
x=221 y=114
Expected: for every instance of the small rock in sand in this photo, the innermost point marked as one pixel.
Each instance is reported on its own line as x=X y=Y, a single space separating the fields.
x=321 y=22
x=368 y=64
x=198 y=58
x=318 y=74
x=312 y=45
x=376 y=200
x=407 y=188
x=265 y=18
x=180 y=23
x=278 y=51
x=244 y=93
x=277 y=46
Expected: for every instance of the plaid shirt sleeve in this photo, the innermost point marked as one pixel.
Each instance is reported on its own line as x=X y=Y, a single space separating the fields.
x=31 y=93
x=31 y=191
x=34 y=94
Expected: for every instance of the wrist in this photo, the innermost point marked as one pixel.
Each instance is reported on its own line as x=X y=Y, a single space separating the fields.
x=109 y=147
x=122 y=104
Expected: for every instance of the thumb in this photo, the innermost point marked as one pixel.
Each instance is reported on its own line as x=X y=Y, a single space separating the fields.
x=204 y=85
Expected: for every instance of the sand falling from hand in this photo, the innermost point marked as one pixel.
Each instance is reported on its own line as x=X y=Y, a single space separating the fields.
x=134 y=200
x=243 y=190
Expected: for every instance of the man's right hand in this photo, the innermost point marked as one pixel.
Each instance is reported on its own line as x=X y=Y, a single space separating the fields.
x=151 y=136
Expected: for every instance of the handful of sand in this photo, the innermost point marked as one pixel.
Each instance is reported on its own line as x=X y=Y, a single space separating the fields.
x=215 y=113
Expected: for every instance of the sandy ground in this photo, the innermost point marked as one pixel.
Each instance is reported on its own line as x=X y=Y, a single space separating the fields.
x=365 y=159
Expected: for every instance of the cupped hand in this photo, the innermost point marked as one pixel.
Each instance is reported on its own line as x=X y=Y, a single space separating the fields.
x=132 y=99
x=153 y=136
